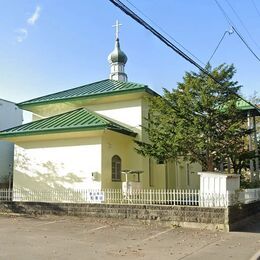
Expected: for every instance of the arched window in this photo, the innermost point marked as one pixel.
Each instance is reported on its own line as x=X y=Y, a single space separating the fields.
x=116 y=168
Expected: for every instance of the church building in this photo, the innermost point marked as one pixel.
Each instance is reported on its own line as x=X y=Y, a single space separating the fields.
x=83 y=138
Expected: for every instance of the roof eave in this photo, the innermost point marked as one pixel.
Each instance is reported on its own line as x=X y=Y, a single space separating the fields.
x=25 y=105
x=122 y=131
x=65 y=130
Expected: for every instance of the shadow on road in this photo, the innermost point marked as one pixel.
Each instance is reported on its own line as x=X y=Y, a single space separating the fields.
x=251 y=225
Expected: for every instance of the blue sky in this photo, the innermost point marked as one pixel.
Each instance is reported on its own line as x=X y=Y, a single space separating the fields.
x=51 y=45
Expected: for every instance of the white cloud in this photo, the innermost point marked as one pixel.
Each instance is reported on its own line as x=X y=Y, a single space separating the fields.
x=35 y=16
x=22 y=34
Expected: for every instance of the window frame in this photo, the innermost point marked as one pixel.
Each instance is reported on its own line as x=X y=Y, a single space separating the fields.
x=116 y=167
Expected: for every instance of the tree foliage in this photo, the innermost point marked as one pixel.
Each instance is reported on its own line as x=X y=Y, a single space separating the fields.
x=198 y=120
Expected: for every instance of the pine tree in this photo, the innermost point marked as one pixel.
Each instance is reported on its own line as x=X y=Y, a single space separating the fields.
x=198 y=120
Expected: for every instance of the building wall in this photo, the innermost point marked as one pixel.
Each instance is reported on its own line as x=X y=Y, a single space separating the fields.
x=154 y=175
x=132 y=113
x=6 y=164
x=10 y=116
x=128 y=113
x=59 y=165
x=186 y=175
x=123 y=146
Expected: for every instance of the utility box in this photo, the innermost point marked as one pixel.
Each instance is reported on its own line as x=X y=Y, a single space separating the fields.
x=10 y=116
x=216 y=187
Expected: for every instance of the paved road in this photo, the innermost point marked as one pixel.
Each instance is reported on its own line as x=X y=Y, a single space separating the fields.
x=75 y=238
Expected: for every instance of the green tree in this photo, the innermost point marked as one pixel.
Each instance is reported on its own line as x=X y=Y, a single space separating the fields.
x=198 y=120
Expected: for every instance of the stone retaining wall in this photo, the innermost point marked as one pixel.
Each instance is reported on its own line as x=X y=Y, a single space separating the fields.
x=186 y=216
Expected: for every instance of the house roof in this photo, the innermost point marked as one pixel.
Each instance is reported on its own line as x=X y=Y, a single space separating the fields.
x=247 y=106
x=77 y=120
x=100 y=88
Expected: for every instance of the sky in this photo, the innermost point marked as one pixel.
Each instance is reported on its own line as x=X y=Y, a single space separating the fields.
x=48 y=46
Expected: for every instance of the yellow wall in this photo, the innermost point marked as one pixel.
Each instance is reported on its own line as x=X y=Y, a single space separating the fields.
x=123 y=146
x=186 y=176
x=153 y=176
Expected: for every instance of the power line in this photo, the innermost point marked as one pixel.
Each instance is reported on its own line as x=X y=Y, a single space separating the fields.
x=224 y=13
x=257 y=10
x=138 y=19
x=242 y=23
x=222 y=38
x=236 y=30
x=244 y=41
x=158 y=26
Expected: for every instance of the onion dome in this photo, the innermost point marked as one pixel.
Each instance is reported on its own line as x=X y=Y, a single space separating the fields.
x=117 y=56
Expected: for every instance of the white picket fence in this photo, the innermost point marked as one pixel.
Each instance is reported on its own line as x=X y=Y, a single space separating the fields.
x=141 y=196
x=162 y=197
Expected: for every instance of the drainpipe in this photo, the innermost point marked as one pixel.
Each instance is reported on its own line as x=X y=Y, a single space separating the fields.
x=250 y=145
x=256 y=151
x=166 y=175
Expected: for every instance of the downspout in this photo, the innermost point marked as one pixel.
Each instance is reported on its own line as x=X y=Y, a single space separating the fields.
x=166 y=175
x=250 y=145
x=256 y=151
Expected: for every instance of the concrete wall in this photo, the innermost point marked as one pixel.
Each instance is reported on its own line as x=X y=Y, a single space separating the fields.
x=10 y=116
x=59 y=165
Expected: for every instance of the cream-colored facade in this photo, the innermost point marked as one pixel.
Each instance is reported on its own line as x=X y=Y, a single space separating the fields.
x=83 y=160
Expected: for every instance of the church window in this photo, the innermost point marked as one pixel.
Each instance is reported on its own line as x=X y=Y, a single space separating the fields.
x=116 y=168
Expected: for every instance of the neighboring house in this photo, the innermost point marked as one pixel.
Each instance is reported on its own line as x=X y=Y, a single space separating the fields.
x=252 y=113
x=10 y=116
x=84 y=138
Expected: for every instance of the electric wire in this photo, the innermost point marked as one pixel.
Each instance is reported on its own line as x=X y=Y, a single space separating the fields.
x=222 y=38
x=138 y=19
x=255 y=6
x=244 y=41
x=236 y=30
x=242 y=23
x=159 y=27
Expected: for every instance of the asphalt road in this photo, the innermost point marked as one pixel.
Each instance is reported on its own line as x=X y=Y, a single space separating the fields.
x=53 y=237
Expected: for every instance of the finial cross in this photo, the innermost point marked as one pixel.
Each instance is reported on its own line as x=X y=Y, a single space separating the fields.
x=117 y=28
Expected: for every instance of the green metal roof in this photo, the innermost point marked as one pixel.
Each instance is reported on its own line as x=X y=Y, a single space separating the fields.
x=101 y=88
x=243 y=105
x=248 y=107
x=76 y=120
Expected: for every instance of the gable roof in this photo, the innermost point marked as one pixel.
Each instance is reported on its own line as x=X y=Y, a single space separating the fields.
x=100 y=88
x=246 y=107
x=77 y=120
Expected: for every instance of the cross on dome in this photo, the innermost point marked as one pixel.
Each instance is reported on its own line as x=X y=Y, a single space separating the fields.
x=117 y=28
